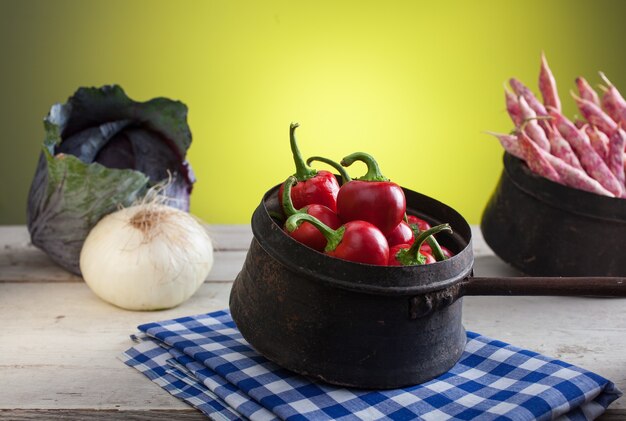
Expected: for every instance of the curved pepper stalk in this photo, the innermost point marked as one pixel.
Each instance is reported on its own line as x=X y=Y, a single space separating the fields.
x=345 y=177
x=303 y=171
x=373 y=170
x=314 y=187
x=372 y=198
x=412 y=255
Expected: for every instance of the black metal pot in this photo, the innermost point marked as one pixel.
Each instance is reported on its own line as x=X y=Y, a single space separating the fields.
x=544 y=228
x=368 y=326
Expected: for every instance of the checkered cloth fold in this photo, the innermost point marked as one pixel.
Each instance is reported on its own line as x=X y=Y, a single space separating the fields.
x=204 y=361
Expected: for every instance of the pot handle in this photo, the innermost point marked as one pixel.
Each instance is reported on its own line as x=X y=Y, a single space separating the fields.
x=570 y=286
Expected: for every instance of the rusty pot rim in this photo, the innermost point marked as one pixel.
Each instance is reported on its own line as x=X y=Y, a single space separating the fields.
x=372 y=279
x=568 y=199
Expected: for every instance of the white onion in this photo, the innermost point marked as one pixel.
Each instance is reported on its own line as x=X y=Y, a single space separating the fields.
x=146 y=257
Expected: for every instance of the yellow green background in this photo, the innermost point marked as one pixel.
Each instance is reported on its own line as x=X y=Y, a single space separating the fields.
x=415 y=83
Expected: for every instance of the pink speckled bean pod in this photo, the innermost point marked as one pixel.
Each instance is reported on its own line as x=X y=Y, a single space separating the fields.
x=616 y=154
x=599 y=141
x=512 y=107
x=534 y=131
x=596 y=116
x=535 y=160
x=613 y=102
x=547 y=85
x=608 y=105
x=574 y=177
x=522 y=90
x=593 y=164
x=509 y=143
x=560 y=148
x=586 y=91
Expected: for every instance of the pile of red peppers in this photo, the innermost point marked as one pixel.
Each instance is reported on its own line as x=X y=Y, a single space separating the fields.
x=362 y=220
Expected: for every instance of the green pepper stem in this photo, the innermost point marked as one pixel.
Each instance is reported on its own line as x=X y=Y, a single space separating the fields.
x=373 y=171
x=342 y=171
x=432 y=242
x=436 y=249
x=288 y=207
x=333 y=237
x=303 y=171
x=424 y=235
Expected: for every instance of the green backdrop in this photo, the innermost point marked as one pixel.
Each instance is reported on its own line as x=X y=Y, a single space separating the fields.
x=414 y=83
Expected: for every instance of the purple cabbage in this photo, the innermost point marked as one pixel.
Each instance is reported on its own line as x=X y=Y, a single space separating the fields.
x=103 y=150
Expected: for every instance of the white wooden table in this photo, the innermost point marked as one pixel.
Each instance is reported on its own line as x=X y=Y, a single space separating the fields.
x=59 y=343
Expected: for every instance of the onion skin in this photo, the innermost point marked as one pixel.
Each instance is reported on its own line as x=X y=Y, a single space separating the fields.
x=146 y=257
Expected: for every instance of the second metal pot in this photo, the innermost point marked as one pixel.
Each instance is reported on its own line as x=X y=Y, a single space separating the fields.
x=546 y=229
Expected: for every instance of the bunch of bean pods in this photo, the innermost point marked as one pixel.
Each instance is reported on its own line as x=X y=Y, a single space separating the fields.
x=583 y=154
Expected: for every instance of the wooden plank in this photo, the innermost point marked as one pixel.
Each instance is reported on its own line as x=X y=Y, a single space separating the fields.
x=59 y=346
x=32 y=265
x=613 y=415
x=587 y=332
x=101 y=414
x=20 y=261
x=59 y=342
x=225 y=237
x=184 y=414
x=230 y=237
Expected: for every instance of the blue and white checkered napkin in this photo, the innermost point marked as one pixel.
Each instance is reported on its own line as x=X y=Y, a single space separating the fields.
x=205 y=361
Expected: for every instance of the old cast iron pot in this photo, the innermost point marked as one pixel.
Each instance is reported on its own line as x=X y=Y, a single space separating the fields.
x=545 y=228
x=361 y=325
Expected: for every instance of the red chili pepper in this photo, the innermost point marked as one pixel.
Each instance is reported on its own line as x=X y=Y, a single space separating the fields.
x=356 y=241
x=306 y=233
x=412 y=254
x=314 y=187
x=428 y=258
x=402 y=234
x=421 y=224
x=372 y=198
